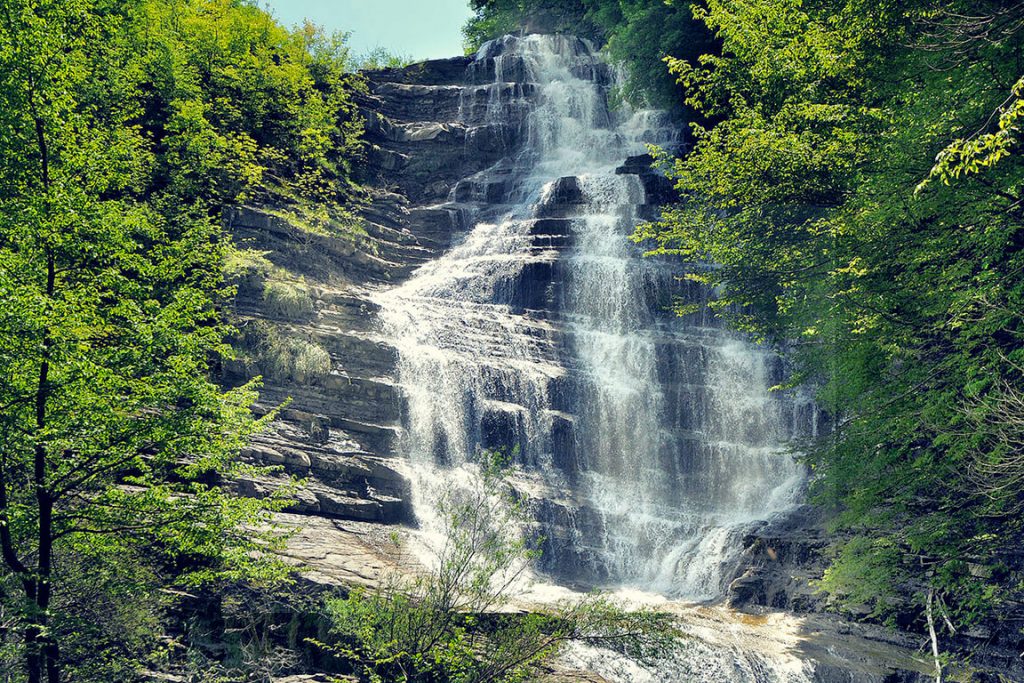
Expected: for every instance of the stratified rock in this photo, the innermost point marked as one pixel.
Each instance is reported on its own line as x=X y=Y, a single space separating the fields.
x=336 y=553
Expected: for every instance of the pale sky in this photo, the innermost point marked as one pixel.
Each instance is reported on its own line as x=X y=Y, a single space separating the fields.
x=422 y=29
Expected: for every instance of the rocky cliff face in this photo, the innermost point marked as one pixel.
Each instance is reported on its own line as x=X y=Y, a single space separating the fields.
x=439 y=160
x=341 y=421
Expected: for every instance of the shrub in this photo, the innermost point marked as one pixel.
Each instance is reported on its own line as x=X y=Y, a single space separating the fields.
x=447 y=625
x=380 y=58
x=241 y=262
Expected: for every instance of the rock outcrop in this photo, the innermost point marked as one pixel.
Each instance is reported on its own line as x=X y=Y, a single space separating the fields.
x=778 y=570
x=440 y=156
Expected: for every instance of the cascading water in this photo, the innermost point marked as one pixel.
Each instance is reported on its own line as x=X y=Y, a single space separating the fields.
x=654 y=439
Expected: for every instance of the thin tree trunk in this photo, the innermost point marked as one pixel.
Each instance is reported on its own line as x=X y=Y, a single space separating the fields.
x=48 y=646
x=51 y=652
x=934 y=637
x=33 y=658
x=47 y=657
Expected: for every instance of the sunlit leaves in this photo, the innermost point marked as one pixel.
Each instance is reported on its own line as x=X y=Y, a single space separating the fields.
x=900 y=300
x=125 y=129
x=972 y=155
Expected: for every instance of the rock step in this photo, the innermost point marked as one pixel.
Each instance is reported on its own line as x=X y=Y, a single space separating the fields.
x=310 y=254
x=427 y=175
x=359 y=355
x=392 y=105
x=315 y=498
x=340 y=397
x=386 y=209
x=355 y=436
x=434 y=226
x=447 y=70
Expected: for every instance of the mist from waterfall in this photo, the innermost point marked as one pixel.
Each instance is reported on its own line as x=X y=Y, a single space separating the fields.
x=649 y=442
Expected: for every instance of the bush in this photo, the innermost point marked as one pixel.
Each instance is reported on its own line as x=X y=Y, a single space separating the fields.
x=278 y=356
x=447 y=625
x=242 y=262
x=380 y=58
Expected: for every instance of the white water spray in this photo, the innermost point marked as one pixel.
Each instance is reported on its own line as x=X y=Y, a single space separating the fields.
x=654 y=440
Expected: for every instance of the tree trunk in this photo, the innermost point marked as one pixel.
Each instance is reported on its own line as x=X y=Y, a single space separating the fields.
x=48 y=645
x=934 y=637
x=52 y=655
x=33 y=659
x=41 y=654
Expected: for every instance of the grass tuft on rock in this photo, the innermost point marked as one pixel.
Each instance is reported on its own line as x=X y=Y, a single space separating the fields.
x=288 y=358
x=289 y=300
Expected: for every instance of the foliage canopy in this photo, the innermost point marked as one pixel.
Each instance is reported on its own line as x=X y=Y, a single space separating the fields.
x=859 y=185
x=126 y=128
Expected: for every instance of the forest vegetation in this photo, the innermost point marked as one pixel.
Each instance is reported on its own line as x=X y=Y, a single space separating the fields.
x=853 y=171
x=128 y=127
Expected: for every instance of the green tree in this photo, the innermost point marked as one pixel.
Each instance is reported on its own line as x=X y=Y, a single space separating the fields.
x=126 y=128
x=900 y=299
x=241 y=109
x=640 y=34
x=493 y=18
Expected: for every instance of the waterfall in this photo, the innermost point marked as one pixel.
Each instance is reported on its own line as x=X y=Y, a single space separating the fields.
x=650 y=442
